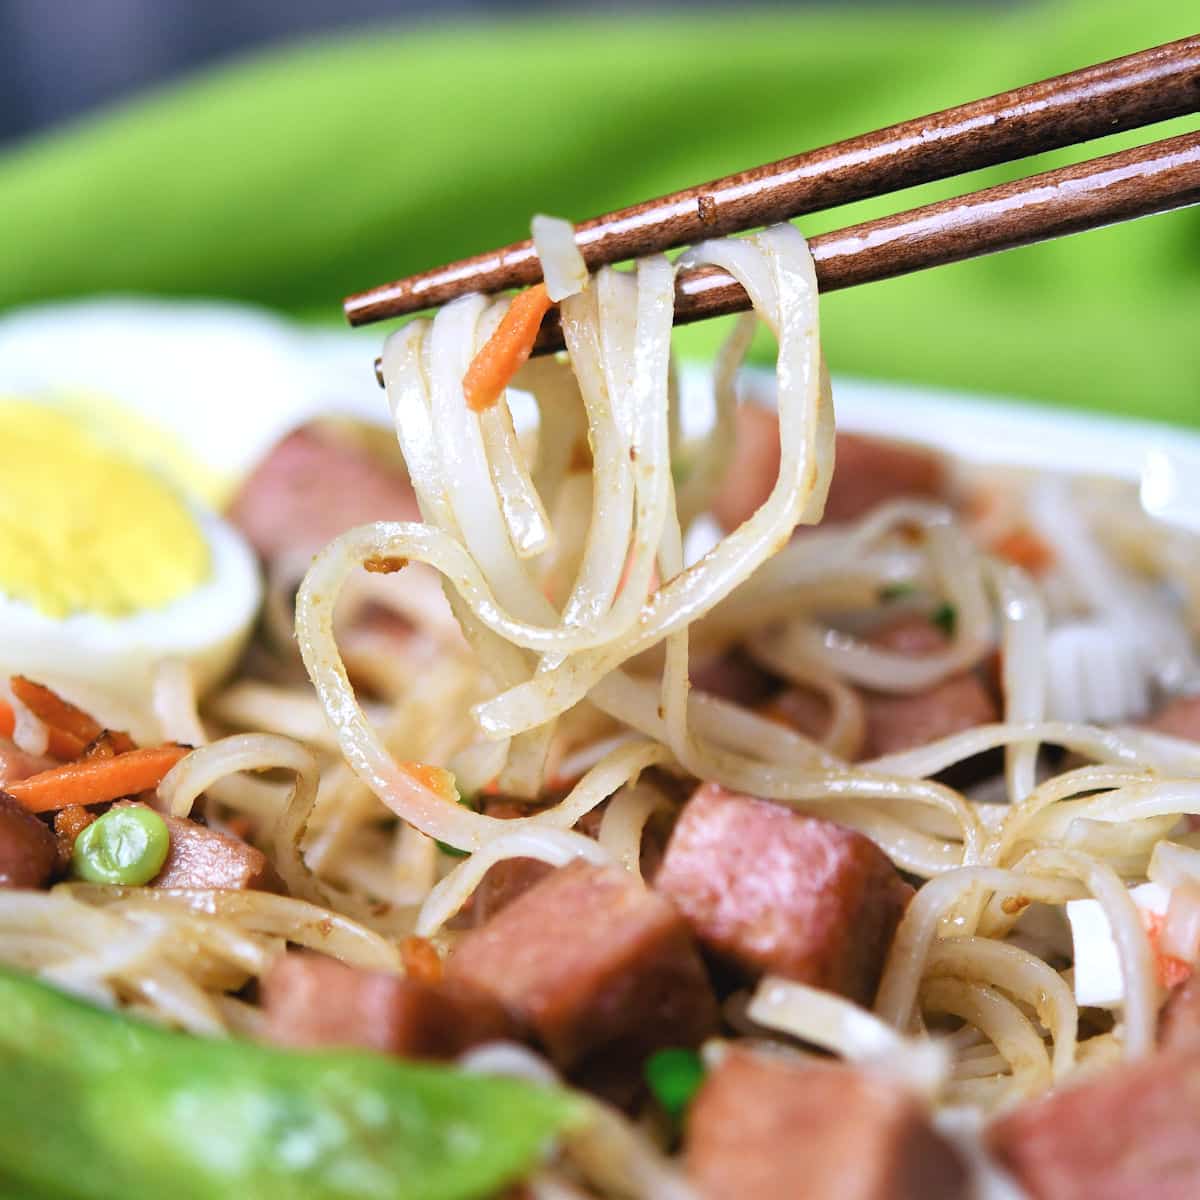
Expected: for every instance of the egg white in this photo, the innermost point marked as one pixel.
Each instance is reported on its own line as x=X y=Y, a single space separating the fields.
x=200 y=391
x=88 y=656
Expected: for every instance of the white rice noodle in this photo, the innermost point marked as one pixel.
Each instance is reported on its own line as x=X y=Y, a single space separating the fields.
x=1130 y=747
x=1156 y=643
x=199 y=770
x=174 y=703
x=607 y=1150
x=704 y=467
x=281 y=917
x=1024 y=977
x=1012 y=1033
x=896 y=999
x=624 y=823
x=555 y=846
x=528 y=525
x=1053 y=867
x=958 y=568
x=836 y=1024
x=1173 y=865
x=1023 y=670
x=847 y=712
x=614 y=1156
x=445 y=447
x=798 y=493
x=252 y=704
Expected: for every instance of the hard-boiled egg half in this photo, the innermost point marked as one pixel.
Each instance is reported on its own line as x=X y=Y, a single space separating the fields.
x=124 y=427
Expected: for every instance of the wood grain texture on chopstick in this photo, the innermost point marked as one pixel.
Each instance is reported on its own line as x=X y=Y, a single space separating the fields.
x=1126 y=93
x=1150 y=179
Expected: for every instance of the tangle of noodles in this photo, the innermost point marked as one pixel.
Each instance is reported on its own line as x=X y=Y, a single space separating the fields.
x=557 y=609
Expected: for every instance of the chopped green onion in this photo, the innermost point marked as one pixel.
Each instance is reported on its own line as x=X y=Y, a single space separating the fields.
x=896 y=591
x=945 y=617
x=467 y=801
x=674 y=1076
x=125 y=846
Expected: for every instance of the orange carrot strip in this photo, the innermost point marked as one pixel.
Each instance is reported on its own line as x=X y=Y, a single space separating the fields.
x=59 y=744
x=96 y=780
x=421 y=960
x=507 y=348
x=50 y=708
x=1026 y=549
x=71 y=730
x=436 y=779
x=107 y=745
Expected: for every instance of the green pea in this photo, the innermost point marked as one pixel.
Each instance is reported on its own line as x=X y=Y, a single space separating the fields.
x=126 y=846
x=674 y=1076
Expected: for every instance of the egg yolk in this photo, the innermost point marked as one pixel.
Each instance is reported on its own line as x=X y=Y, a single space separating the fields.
x=83 y=529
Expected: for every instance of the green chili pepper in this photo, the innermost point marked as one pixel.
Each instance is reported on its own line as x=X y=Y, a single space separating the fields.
x=126 y=846
x=99 y=1106
x=945 y=617
x=896 y=591
x=674 y=1076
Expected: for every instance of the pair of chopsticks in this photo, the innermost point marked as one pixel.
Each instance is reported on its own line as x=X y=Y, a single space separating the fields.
x=1126 y=93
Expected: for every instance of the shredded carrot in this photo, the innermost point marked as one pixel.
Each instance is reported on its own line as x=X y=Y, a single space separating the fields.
x=507 y=348
x=71 y=730
x=96 y=780
x=1026 y=549
x=421 y=961
x=436 y=779
x=653 y=584
x=58 y=744
x=71 y=821
x=108 y=745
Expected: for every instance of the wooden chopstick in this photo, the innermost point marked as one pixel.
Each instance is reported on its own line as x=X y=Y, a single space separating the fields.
x=1126 y=93
x=1149 y=179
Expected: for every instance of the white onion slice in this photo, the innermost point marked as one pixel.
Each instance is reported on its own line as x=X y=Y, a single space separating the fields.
x=563 y=267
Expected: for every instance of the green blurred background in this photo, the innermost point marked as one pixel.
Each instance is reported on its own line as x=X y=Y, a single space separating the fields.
x=292 y=176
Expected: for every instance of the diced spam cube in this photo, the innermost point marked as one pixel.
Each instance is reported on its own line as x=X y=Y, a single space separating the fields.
x=767 y=890
x=589 y=959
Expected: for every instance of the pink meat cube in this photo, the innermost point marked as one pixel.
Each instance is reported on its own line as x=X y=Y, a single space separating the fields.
x=903 y=722
x=313 y=1001
x=769 y=1128
x=591 y=960
x=1129 y=1133
x=1179 y=1021
x=1179 y=717
x=868 y=471
x=767 y=890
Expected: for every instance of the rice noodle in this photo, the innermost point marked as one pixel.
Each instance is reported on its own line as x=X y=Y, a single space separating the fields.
x=555 y=846
x=557 y=589
x=829 y=1021
x=624 y=823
